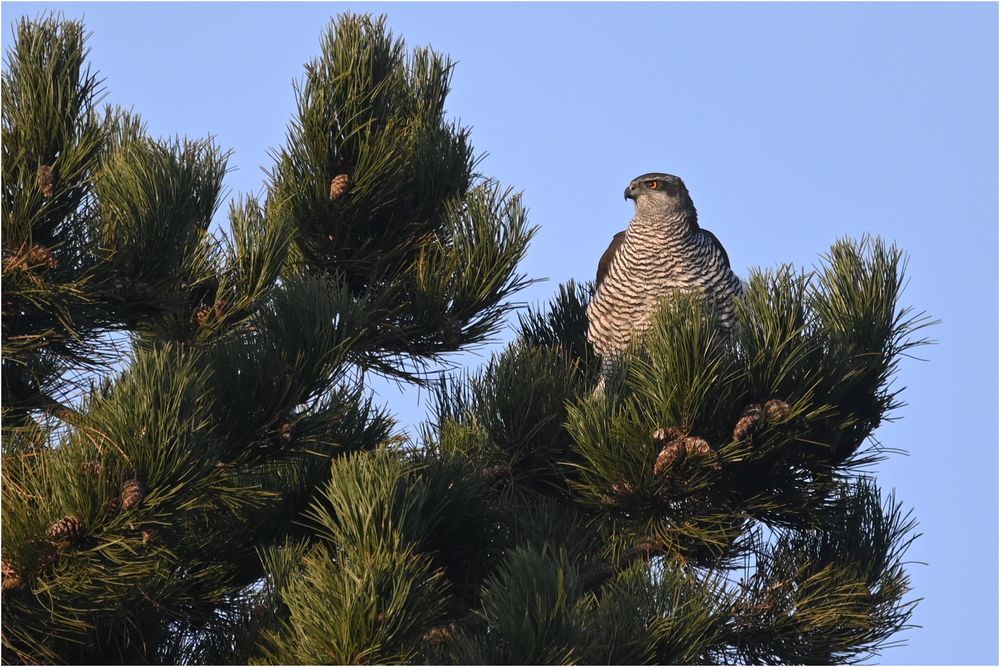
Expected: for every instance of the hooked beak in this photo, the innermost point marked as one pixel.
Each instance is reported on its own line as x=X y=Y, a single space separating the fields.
x=629 y=193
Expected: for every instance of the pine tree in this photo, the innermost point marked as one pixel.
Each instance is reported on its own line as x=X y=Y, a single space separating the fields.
x=194 y=470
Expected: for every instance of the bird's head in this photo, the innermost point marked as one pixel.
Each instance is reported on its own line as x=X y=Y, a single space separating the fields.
x=662 y=193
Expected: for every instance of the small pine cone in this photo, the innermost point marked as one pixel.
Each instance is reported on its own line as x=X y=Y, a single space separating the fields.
x=201 y=315
x=673 y=451
x=496 y=472
x=11 y=578
x=748 y=422
x=132 y=493
x=67 y=529
x=45 y=179
x=339 y=186
x=220 y=306
x=696 y=447
x=39 y=255
x=700 y=449
x=776 y=410
x=286 y=431
x=46 y=559
x=451 y=332
x=622 y=489
x=441 y=633
x=92 y=468
x=664 y=436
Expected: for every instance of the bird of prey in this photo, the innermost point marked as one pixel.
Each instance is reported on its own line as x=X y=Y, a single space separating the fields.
x=663 y=251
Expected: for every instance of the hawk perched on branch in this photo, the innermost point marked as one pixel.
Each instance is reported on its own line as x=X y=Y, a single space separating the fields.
x=662 y=251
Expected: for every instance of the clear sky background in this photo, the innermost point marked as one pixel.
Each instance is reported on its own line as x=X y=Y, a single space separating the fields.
x=792 y=125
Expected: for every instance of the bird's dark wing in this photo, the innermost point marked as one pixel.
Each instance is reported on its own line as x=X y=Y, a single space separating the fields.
x=711 y=238
x=604 y=265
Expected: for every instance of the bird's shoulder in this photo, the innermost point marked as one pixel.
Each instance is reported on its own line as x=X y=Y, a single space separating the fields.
x=714 y=241
x=604 y=265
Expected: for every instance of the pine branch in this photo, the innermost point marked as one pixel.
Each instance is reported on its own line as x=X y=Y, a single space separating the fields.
x=643 y=550
x=590 y=580
x=59 y=410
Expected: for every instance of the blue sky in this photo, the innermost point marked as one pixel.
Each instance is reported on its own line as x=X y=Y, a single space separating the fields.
x=792 y=125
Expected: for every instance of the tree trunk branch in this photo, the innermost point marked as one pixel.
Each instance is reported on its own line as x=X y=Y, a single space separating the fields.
x=53 y=407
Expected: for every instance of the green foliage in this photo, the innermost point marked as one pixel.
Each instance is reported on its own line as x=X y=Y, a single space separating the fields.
x=823 y=596
x=382 y=193
x=699 y=446
x=528 y=609
x=563 y=324
x=194 y=470
x=173 y=397
x=391 y=530
x=523 y=428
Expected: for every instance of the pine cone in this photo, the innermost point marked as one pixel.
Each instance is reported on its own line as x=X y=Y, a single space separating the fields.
x=45 y=179
x=622 y=489
x=441 y=633
x=776 y=410
x=748 y=422
x=132 y=493
x=339 y=186
x=696 y=447
x=687 y=446
x=201 y=315
x=67 y=529
x=664 y=436
x=672 y=451
x=11 y=578
x=496 y=472
x=451 y=332
x=286 y=430
x=92 y=468
x=39 y=255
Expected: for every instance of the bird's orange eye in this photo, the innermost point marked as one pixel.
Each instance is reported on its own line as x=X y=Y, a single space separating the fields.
x=652 y=185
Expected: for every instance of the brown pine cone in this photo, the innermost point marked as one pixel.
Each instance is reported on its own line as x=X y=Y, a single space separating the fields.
x=339 y=186
x=696 y=447
x=622 y=488
x=45 y=179
x=67 y=529
x=92 y=468
x=39 y=255
x=132 y=493
x=687 y=446
x=748 y=422
x=11 y=578
x=776 y=410
x=201 y=315
x=671 y=453
x=496 y=472
x=663 y=436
